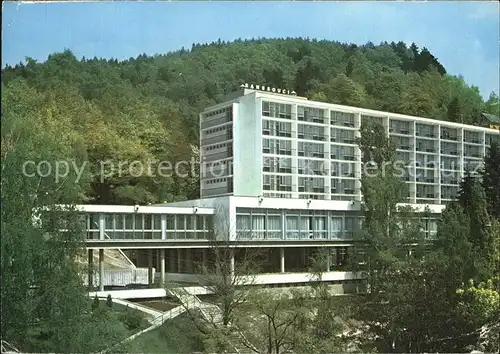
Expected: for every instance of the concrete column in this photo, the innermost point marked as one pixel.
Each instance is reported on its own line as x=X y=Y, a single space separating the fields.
x=328 y=261
x=150 y=267
x=101 y=226
x=179 y=262
x=282 y=259
x=101 y=253
x=162 y=266
x=283 y=224
x=163 y=227
x=204 y=260
x=91 y=269
x=101 y=269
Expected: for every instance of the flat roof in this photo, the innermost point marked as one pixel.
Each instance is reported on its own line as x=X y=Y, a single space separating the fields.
x=351 y=109
x=140 y=209
x=294 y=204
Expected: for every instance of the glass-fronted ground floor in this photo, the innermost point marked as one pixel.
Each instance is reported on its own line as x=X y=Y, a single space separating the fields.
x=270 y=266
x=258 y=259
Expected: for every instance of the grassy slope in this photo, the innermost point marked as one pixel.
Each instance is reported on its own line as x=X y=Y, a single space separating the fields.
x=176 y=336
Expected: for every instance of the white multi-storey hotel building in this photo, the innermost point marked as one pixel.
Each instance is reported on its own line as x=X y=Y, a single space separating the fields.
x=282 y=173
x=272 y=145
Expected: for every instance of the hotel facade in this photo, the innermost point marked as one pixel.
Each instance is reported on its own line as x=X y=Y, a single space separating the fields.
x=282 y=173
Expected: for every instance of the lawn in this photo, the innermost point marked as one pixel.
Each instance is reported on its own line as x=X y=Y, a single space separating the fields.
x=178 y=335
x=120 y=321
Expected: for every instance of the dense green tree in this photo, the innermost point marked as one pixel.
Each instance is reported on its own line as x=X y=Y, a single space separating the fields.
x=387 y=88
x=492 y=105
x=491 y=179
x=38 y=255
x=42 y=289
x=412 y=304
x=455 y=246
x=473 y=200
x=425 y=95
x=394 y=245
x=458 y=252
x=454 y=114
x=345 y=91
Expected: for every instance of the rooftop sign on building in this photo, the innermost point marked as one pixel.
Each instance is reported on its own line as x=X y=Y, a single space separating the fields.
x=268 y=89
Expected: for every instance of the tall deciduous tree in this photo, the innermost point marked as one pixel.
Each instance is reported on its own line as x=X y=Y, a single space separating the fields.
x=42 y=289
x=492 y=105
x=40 y=279
x=276 y=321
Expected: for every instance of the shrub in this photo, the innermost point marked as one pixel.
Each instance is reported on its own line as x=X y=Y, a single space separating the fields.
x=95 y=303
x=109 y=301
x=131 y=319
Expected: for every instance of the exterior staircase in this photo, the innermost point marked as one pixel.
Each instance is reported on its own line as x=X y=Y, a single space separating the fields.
x=156 y=321
x=213 y=314
x=7 y=348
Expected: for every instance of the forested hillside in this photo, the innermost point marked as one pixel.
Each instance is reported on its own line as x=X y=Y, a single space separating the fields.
x=146 y=108
x=427 y=294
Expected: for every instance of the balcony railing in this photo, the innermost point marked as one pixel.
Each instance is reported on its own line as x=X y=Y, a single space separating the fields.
x=425 y=134
x=346 y=123
x=312 y=118
x=280 y=133
x=449 y=137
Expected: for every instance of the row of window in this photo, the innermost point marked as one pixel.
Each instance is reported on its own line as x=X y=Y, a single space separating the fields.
x=308 y=114
x=468 y=139
x=321 y=167
x=308 y=184
x=152 y=235
x=259 y=224
x=217 y=180
x=314 y=167
x=448 y=193
x=211 y=120
x=219 y=111
x=348 y=137
x=217 y=146
x=318 y=115
x=217 y=129
x=277 y=110
x=148 y=222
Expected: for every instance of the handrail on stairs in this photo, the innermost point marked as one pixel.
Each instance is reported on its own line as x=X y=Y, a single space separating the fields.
x=119 y=250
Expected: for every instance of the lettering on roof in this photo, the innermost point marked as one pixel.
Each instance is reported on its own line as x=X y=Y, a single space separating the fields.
x=268 y=89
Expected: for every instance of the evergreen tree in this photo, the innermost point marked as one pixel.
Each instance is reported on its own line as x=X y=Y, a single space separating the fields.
x=454 y=114
x=454 y=245
x=109 y=301
x=95 y=303
x=491 y=179
x=472 y=199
